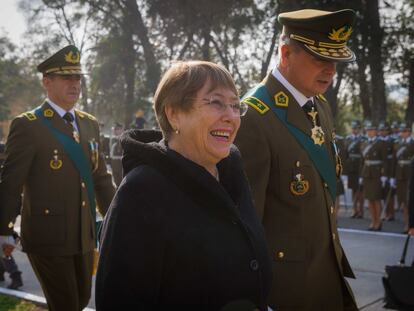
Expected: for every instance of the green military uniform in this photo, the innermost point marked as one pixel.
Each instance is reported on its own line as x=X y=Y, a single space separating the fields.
x=290 y=163
x=404 y=152
x=352 y=159
x=374 y=166
x=57 y=228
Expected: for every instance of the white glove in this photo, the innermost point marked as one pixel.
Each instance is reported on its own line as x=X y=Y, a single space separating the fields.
x=6 y=239
x=393 y=183
x=360 y=180
x=344 y=179
x=383 y=180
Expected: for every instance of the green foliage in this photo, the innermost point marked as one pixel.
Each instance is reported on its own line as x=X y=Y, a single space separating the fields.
x=8 y=303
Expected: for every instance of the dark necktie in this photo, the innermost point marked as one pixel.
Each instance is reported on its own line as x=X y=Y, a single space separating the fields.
x=308 y=106
x=68 y=117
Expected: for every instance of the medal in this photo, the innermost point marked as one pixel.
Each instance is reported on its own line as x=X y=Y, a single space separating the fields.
x=317 y=132
x=299 y=186
x=55 y=163
x=93 y=146
x=76 y=136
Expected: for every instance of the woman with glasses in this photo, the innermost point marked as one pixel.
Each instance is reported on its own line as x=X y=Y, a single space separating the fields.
x=181 y=230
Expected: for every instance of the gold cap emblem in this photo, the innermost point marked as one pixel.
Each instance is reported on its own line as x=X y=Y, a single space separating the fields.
x=342 y=34
x=72 y=58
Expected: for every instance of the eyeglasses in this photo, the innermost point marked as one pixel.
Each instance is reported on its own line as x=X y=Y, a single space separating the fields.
x=218 y=104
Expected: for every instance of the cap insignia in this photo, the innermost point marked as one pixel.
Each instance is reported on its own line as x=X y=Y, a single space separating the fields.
x=281 y=99
x=342 y=34
x=72 y=58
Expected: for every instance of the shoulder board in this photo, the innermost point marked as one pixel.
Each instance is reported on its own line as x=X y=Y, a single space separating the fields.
x=257 y=104
x=83 y=114
x=29 y=115
x=322 y=98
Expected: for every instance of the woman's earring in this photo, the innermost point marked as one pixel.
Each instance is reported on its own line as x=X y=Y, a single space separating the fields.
x=177 y=131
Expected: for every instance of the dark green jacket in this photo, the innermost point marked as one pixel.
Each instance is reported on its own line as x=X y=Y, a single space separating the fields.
x=56 y=216
x=308 y=261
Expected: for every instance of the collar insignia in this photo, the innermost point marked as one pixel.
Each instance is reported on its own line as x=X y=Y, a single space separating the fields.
x=342 y=34
x=48 y=113
x=72 y=58
x=281 y=99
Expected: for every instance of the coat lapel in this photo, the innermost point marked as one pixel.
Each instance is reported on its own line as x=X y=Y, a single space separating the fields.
x=295 y=114
x=56 y=120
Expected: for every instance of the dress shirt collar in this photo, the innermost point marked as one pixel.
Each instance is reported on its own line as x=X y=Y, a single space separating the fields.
x=61 y=112
x=300 y=98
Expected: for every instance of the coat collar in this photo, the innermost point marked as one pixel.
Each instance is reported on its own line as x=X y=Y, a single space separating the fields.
x=295 y=114
x=55 y=118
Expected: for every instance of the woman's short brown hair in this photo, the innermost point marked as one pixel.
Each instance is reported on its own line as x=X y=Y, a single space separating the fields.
x=180 y=84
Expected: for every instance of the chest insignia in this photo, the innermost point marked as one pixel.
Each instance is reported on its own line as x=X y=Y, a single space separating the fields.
x=55 y=163
x=281 y=99
x=299 y=186
x=93 y=147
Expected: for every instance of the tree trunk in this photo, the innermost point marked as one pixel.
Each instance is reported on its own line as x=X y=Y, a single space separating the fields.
x=379 y=104
x=409 y=114
x=153 y=72
x=332 y=93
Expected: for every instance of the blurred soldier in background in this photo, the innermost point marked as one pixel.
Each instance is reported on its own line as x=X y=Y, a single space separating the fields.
x=352 y=168
x=139 y=121
x=104 y=141
x=395 y=130
x=116 y=153
x=403 y=154
x=374 y=161
x=388 y=194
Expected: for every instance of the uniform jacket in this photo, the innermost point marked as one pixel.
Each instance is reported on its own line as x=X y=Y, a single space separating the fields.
x=352 y=154
x=175 y=238
x=403 y=154
x=56 y=216
x=411 y=196
x=389 y=143
x=377 y=151
x=307 y=258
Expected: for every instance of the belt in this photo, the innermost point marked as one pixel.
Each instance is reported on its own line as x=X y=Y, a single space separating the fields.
x=372 y=162
x=404 y=162
x=354 y=155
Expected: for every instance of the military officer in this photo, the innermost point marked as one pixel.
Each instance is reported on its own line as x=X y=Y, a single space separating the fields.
x=374 y=168
x=53 y=156
x=403 y=154
x=388 y=194
x=352 y=168
x=292 y=163
x=395 y=130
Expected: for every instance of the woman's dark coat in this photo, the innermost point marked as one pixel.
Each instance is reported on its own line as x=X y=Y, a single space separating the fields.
x=174 y=236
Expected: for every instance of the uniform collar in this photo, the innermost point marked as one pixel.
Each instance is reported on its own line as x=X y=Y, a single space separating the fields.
x=61 y=112
x=300 y=98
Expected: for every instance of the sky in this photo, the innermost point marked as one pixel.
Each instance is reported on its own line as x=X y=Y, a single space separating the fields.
x=12 y=22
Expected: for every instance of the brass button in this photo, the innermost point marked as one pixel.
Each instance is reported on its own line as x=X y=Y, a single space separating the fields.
x=47 y=211
x=10 y=225
x=280 y=255
x=332 y=209
x=333 y=236
x=83 y=203
x=297 y=163
x=83 y=185
x=325 y=185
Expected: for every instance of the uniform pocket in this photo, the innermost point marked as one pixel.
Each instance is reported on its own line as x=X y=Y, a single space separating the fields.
x=47 y=223
x=297 y=184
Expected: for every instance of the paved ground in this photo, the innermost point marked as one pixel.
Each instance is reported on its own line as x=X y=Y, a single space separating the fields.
x=368 y=253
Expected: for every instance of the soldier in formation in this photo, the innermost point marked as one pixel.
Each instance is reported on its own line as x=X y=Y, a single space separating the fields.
x=352 y=168
x=116 y=153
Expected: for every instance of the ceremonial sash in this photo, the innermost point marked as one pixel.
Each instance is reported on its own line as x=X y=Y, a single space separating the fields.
x=77 y=156
x=317 y=153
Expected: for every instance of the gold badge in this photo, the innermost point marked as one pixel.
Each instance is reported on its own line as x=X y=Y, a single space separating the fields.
x=72 y=58
x=55 y=163
x=342 y=34
x=317 y=135
x=48 y=113
x=299 y=186
x=281 y=99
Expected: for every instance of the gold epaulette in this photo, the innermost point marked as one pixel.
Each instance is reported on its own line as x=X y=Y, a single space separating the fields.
x=322 y=98
x=29 y=115
x=257 y=104
x=83 y=114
